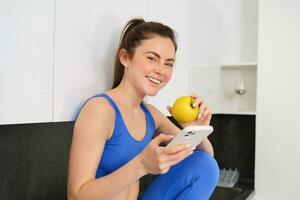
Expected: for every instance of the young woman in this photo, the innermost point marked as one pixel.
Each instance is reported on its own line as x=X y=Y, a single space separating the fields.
x=112 y=146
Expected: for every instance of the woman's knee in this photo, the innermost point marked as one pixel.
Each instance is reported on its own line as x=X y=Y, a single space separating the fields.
x=199 y=164
x=205 y=164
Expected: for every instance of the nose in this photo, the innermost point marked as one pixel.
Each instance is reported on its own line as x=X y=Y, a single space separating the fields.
x=159 y=69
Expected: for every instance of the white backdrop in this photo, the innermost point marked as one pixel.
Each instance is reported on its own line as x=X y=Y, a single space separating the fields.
x=277 y=125
x=26 y=61
x=56 y=54
x=86 y=38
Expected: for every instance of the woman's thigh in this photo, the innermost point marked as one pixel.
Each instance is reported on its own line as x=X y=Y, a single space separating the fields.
x=193 y=178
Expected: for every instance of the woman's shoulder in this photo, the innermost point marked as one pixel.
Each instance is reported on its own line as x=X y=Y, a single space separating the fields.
x=156 y=113
x=97 y=113
x=153 y=109
x=98 y=106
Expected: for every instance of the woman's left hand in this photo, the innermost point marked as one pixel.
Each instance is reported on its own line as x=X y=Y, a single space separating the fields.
x=204 y=115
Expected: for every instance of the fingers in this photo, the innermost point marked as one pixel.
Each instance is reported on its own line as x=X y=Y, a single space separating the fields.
x=162 y=138
x=176 y=148
x=204 y=110
x=177 y=157
x=180 y=154
x=165 y=170
x=177 y=152
x=169 y=108
x=167 y=156
x=197 y=100
x=158 y=160
x=207 y=114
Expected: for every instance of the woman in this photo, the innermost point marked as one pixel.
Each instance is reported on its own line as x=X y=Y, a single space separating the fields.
x=112 y=146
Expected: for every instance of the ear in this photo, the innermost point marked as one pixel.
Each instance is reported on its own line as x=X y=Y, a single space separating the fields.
x=124 y=57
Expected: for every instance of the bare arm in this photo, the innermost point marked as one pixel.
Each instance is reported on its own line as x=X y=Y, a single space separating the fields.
x=92 y=128
x=164 y=125
x=203 y=118
x=206 y=146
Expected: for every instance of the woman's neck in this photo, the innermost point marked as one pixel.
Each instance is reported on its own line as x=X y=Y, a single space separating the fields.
x=127 y=96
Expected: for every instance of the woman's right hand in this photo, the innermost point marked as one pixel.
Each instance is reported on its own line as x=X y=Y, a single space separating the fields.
x=156 y=159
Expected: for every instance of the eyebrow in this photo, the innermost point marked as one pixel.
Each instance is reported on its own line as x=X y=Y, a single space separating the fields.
x=158 y=56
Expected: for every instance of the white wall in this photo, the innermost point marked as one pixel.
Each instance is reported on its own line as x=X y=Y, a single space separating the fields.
x=85 y=46
x=56 y=54
x=86 y=38
x=238 y=30
x=277 y=130
x=230 y=79
x=26 y=61
x=59 y=53
x=197 y=24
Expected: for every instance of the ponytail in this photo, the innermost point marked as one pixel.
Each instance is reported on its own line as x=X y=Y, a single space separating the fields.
x=119 y=68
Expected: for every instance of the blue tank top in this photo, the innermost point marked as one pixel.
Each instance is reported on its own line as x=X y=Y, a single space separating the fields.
x=122 y=147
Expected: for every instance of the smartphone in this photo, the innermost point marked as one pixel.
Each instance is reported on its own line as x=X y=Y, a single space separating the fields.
x=192 y=135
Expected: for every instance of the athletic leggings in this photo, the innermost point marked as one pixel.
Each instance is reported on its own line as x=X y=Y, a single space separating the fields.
x=194 y=178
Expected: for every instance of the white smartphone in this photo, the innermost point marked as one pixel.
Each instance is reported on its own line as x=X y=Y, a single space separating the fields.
x=192 y=135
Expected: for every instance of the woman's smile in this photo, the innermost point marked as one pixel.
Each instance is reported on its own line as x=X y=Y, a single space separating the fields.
x=153 y=81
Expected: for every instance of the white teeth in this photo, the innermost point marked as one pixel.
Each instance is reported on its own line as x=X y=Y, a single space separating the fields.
x=154 y=80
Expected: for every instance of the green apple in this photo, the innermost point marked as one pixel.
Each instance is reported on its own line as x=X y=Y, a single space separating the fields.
x=183 y=111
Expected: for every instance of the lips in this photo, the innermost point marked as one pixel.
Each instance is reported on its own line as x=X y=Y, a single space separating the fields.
x=153 y=80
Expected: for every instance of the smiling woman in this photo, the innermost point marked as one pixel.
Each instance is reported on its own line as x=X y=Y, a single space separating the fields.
x=112 y=145
x=154 y=65
x=155 y=59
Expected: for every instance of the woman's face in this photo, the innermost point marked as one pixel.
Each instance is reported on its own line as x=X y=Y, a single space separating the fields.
x=151 y=66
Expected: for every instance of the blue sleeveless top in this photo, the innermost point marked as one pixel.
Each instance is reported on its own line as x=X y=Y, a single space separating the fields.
x=122 y=147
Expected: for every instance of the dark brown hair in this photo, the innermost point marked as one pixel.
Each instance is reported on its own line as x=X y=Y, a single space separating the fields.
x=133 y=33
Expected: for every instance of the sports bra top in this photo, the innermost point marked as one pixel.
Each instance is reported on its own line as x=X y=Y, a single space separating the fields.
x=121 y=147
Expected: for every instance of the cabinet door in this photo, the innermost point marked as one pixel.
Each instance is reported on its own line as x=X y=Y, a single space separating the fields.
x=239 y=30
x=26 y=61
x=86 y=38
x=197 y=25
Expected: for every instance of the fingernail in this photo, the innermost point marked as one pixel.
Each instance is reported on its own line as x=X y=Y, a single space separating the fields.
x=188 y=145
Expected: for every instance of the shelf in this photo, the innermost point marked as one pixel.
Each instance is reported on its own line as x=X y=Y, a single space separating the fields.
x=239 y=66
x=237 y=113
x=231 y=77
x=191 y=66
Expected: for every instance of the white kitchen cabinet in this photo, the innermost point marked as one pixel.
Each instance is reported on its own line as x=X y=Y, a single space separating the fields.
x=26 y=61
x=277 y=137
x=238 y=29
x=234 y=77
x=86 y=38
x=56 y=54
x=197 y=25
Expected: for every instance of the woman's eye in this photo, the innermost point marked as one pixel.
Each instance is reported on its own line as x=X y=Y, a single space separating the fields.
x=169 y=64
x=151 y=59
